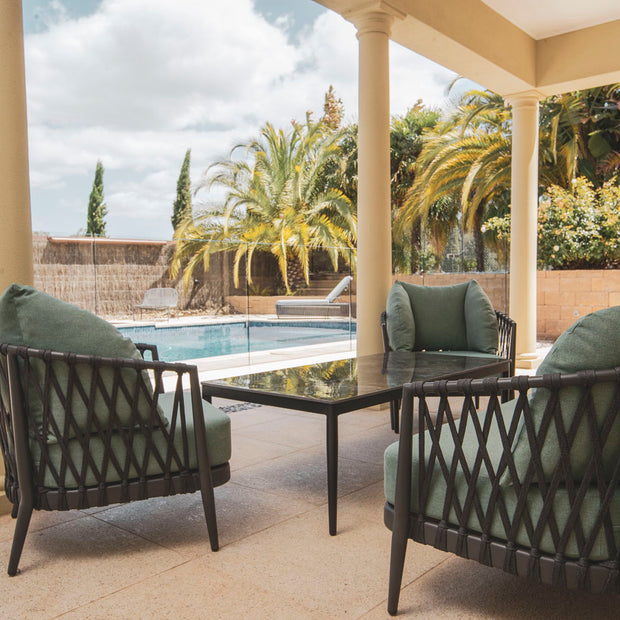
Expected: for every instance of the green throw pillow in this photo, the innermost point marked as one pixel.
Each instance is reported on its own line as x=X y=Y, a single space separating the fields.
x=480 y=320
x=438 y=312
x=592 y=343
x=400 y=323
x=31 y=318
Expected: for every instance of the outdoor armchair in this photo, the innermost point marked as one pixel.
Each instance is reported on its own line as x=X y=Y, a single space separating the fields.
x=457 y=318
x=529 y=486
x=79 y=430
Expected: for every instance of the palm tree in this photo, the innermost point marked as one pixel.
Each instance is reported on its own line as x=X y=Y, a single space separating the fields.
x=465 y=158
x=468 y=156
x=276 y=201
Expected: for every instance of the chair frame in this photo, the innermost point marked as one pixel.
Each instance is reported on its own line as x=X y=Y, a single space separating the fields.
x=506 y=553
x=23 y=483
x=506 y=348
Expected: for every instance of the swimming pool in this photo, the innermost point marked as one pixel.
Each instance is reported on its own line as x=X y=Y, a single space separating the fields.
x=196 y=341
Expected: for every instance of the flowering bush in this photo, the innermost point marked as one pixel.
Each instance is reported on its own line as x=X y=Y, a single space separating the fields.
x=576 y=230
x=579 y=229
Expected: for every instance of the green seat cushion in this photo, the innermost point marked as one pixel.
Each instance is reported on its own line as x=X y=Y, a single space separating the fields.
x=31 y=318
x=400 y=323
x=218 y=434
x=592 y=343
x=438 y=490
x=480 y=320
x=439 y=315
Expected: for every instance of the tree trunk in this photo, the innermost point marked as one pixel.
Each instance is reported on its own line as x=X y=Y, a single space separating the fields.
x=415 y=246
x=295 y=273
x=478 y=241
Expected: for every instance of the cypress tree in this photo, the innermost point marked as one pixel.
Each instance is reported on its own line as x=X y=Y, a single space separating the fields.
x=182 y=206
x=95 y=224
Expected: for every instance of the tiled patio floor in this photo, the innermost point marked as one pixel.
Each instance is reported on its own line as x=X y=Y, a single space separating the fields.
x=152 y=559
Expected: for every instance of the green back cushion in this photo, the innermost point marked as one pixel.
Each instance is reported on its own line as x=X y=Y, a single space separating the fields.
x=592 y=343
x=400 y=323
x=34 y=319
x=439 y=315
x=480 y=320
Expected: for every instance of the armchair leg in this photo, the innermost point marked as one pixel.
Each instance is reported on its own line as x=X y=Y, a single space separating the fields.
x=397 y=564
x=394 y=414
x=21 y=529
x=208 y=503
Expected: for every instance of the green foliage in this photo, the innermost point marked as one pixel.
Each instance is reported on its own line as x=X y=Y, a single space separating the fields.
x=580 y=229
x=95 y=222
x=182 y=207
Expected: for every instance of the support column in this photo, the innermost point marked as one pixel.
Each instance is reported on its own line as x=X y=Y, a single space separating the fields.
x=524 y=216
x=15 y=230
x=374 y=235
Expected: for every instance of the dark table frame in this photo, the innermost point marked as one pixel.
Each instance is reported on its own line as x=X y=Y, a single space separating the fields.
x=331 y=409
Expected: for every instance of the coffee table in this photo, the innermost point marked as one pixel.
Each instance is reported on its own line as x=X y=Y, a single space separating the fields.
x=337 y=387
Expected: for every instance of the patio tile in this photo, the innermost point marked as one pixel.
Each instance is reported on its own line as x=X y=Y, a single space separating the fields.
x=297 y=560
x=249 y=451
x=459 y=588
x=40 y=520
x=368 y=445
x=302 y=476
x=178 y=522
x=76 y=562
x=195 y=590
x=288 y=430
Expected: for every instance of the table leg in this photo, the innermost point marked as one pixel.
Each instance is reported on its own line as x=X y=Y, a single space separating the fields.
x=332 y=471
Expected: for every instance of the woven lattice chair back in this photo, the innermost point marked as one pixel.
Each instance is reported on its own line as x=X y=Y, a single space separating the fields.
x=455 y=484
x=80 y=431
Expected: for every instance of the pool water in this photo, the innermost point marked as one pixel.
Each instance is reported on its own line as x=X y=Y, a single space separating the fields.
x=196 y=341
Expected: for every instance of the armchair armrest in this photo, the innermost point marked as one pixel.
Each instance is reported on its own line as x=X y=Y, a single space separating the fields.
x=143 y=348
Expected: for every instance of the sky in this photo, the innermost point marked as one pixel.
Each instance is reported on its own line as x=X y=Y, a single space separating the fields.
x=135 y=83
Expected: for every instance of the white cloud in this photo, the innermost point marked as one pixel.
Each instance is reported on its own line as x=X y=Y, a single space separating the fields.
x=138 y=82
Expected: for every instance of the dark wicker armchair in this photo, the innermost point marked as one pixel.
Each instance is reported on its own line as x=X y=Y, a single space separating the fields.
x=531 y=488
x=78 y=431
x=507 y=330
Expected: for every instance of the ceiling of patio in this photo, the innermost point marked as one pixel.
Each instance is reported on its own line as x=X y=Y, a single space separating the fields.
x=550 y=46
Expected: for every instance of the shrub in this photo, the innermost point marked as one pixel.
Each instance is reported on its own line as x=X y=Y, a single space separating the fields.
x=579 y=229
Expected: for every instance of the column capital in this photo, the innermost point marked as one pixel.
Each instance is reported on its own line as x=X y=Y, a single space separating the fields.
x=524 y=98
x=374 y=16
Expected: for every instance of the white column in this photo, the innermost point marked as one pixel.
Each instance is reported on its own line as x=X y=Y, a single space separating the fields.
x=374 y=245
x=15 y=231
x=524 y=216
